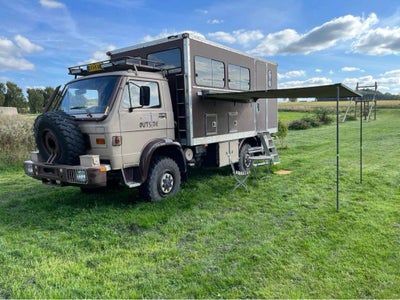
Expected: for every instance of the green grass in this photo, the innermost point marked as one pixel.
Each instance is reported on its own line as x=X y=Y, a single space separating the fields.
x=283 y=239
x=288 y=116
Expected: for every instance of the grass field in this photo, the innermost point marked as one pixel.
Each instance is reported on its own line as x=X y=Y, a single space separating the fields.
x=283 y=239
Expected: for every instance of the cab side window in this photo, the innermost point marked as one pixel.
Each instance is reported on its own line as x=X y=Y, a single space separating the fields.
x=131 y=97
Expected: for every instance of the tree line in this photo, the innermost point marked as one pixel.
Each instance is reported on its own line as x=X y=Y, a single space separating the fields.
x=11 y=95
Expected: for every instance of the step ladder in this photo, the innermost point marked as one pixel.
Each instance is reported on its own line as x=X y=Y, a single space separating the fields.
x=269 y=147
x=266 y=152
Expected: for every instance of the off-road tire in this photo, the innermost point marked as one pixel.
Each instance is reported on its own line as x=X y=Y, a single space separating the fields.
x=57 y=133
x=244 y=163
x=163 y=180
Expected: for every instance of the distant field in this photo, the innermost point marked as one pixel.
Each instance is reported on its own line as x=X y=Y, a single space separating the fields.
x=310 y=106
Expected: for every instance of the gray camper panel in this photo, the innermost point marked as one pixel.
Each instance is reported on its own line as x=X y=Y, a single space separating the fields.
x=196 y=65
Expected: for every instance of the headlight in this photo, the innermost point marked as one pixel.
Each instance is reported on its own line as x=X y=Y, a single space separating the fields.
x=80 y=176
x=29 y=169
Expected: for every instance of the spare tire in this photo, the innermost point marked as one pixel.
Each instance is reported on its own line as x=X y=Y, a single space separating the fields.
x=59 y=138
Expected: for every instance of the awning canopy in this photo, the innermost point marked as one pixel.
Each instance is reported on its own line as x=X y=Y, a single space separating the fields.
x=326 y=92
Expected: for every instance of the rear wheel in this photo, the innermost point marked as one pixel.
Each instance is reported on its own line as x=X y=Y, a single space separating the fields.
x=245 y=162
x=163 y=180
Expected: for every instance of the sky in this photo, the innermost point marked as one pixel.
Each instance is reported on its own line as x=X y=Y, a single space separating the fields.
x=313 y=42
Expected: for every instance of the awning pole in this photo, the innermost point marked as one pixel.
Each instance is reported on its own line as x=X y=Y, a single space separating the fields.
x=337 y=148
x=361 y=142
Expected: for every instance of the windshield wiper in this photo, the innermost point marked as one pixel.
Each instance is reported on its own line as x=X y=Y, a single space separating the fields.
x=85 y=108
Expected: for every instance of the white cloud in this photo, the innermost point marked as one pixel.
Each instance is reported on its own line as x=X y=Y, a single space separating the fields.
x=51 y=4
x=351 y=69
x=387 y=82
x=11 y=54
x=99 y=55
x=289 y=41
x=166 y=33
x=15 y=63
x=392 y=73
x=304 y=83
x=292 y=74
x=390 y=81
x=201 y=11
x=317 y=70
x=223 y=37
x=379 y=41
x=215 y=21
x=7 y=47
x=26 y=45
x=241 y=36
x=275 y=43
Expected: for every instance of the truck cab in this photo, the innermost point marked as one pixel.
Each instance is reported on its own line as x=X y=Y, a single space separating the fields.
x=109 y=121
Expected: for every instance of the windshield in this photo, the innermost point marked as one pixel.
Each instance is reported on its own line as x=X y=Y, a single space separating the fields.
x=88 y=96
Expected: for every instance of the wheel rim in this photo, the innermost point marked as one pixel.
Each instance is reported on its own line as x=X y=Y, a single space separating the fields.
x=50 y=142
x=167 y=183
x=247 y=161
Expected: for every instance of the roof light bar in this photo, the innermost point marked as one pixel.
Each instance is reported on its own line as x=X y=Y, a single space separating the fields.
x=106 y=64
x=75 y=70
x=122 y=63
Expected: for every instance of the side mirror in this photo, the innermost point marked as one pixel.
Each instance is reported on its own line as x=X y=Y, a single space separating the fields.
x=144 y=96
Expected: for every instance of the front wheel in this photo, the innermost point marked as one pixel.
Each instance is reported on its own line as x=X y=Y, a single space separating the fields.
x=163 y=180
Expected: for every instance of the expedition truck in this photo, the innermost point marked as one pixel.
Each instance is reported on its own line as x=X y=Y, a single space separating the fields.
x=149 y=111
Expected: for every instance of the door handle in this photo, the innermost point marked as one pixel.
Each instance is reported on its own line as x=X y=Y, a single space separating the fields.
x=162 y=115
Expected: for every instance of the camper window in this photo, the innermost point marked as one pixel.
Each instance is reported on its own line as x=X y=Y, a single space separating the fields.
x=238 y=78
x=209 y=72
x=269 y=79
x=169 y=59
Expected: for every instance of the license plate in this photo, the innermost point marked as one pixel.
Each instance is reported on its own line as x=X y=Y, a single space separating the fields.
x=94 y=67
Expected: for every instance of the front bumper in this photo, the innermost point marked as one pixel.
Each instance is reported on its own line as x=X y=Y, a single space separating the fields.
x=67 y=175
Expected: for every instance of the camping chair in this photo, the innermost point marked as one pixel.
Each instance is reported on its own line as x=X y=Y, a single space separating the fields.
x=240 y=176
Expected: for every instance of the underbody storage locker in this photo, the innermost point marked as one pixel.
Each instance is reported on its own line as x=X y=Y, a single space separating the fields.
x=231 y=147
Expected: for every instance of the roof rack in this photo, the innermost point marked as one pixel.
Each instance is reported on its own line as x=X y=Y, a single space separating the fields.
x=119 y=64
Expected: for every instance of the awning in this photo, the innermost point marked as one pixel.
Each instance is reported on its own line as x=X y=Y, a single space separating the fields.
x=325 y=92
x=335 y=92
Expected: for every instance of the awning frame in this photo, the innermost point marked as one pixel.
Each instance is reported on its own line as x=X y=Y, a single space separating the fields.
x=321 y=91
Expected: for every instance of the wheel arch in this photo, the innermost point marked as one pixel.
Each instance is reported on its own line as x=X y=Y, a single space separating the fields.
x=162 y=147
x=252 y=141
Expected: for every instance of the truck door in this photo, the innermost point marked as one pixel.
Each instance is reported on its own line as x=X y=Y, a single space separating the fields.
x=140 y=124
